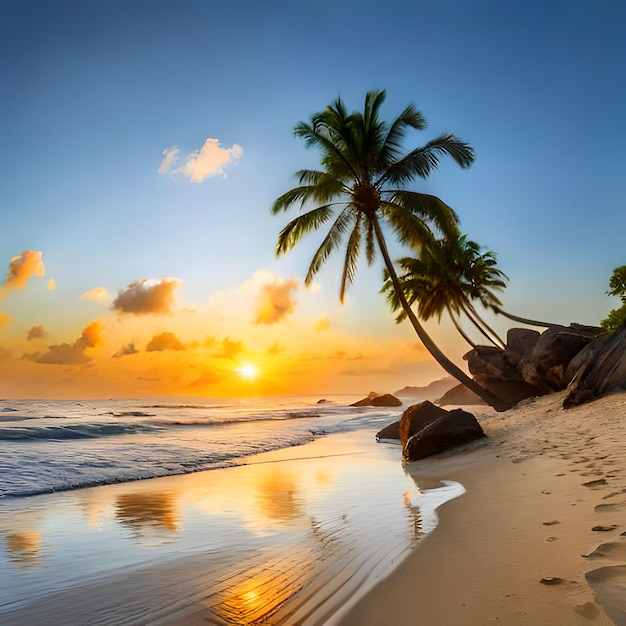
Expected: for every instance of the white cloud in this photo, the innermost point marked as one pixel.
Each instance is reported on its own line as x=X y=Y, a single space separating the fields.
x=208 y=161
x=170 y=156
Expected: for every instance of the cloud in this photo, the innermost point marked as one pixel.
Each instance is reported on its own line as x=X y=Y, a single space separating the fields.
x=129 y=348
x=22 y=267
x=170 y=156
x=147 y=296
x=229 y=348
x=73 y=353
x=275 y=301
x=5 y=319
x=52 y=284
x=164 y=341
x=208 y=161
x=322 y=324
x=36 y=332
x=97 y=293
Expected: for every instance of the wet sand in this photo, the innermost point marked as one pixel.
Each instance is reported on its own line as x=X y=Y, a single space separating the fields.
x=290 y=537
x=538 y=539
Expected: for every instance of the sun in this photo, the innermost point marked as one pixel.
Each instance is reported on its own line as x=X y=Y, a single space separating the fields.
x=247 y=371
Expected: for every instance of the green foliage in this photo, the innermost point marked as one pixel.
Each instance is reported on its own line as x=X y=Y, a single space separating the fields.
x=363 y=182
x=617 y=283
x=615 y=319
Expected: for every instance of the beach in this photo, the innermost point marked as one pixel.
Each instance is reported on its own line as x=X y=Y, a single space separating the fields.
x=528 y=530
x=538 y=537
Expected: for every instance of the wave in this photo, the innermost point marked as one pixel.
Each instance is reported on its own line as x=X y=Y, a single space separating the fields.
x=76 y=431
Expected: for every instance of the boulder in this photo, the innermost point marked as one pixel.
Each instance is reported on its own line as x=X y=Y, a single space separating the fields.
x=416 y=417
x=374 y=399
x=522 y=341
x=531 y=364
x=451 y=429
x=389 y=432
x=511 y=390
x=603 y=372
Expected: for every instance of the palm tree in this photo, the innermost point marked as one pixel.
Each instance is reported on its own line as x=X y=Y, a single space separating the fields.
x=363 y=186
x=449 y=274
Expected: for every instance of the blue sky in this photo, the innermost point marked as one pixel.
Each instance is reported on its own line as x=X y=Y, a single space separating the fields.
x=94 y=92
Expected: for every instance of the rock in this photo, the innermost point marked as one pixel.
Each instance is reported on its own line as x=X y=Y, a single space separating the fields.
x=460 y=395
x=451 y=429
x=417 y=417
x=603 y=372
x=512 y=390
x=522 y=341
x=552 y=354
x=551 y=580
x=389 y=432
x=374 y=399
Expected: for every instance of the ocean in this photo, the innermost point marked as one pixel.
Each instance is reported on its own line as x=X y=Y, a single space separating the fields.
x=50 y=446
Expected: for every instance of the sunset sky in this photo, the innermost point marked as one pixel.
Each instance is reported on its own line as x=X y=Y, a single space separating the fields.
x=143 y=142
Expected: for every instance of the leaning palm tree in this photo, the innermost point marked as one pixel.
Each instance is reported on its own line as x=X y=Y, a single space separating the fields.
x=448 y=275
x=362 y=187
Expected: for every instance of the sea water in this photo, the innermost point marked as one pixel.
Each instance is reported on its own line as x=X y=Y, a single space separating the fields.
x=49 y=445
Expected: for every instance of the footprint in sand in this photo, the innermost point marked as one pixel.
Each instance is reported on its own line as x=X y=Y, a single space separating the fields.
x=592 y=484
x=610 y=507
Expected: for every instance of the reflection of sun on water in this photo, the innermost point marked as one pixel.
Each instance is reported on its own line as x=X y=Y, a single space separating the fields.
x=247 y=371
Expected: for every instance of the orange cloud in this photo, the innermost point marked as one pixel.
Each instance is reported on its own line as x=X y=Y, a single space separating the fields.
x=275 y=301
x=164 y=341
x=22 y=267
x=72 y=353
x=322 y=324
x=147 y=296
x=201 y=164
x=98 y=293
x=36 y=332
x=126 y=350
x=5 y=319
x=230 y=349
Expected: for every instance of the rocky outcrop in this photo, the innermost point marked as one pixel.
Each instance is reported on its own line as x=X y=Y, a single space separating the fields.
x=451 y=429
x=374 y=399
x=531 y=364
x=460 y=395
x=416 y=417
x=601 y=369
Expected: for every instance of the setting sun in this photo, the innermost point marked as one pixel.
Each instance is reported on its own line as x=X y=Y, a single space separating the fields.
x=247 y=370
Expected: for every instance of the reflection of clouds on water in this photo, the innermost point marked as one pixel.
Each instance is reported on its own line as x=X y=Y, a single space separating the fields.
x=277 y=497
x=149 y=515
x=24 y=547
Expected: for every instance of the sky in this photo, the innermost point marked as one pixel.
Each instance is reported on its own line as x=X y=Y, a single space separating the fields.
x=143 y=143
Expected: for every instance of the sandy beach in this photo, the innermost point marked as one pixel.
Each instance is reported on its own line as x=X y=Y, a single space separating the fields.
x=337 y=531
x=539 y=536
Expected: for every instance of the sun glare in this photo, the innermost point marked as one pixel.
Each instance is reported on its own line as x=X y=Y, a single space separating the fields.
x=247 y=371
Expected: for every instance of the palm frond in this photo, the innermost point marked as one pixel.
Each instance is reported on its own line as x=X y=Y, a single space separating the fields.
x=421 y=162
x=302 y=225
x=330 y=242
x=425 y=207
x=352 y=255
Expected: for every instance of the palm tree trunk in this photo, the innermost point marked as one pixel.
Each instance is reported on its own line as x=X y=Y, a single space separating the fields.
x=483 y=328
x=523 y=320
x=497 y=403
x=458 y=326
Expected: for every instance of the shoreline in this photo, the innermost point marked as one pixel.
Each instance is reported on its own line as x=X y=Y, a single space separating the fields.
x=545 y=499
x=335 y=532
